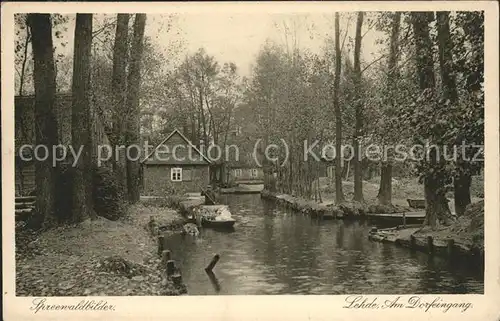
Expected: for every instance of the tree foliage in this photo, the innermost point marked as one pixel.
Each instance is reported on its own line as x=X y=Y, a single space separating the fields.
x=423 y=86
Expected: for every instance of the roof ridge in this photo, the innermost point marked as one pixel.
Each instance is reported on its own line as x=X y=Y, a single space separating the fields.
x=184 y=138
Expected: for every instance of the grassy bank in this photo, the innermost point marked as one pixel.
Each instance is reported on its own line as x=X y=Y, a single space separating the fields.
x=99 y=257
x=402 y=189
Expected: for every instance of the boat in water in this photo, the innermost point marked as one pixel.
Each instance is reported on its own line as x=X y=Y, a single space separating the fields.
x=215 y=216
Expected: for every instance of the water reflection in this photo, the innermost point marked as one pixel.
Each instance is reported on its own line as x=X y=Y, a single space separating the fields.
x=275 y=251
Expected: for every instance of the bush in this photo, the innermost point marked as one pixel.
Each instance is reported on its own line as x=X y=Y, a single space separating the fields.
x=107 y=194
x=118 y=265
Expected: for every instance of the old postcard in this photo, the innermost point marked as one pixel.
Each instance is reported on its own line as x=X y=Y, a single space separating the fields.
x=250 y=161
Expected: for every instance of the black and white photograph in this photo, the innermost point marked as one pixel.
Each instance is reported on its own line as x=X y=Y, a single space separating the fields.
x=208 y=153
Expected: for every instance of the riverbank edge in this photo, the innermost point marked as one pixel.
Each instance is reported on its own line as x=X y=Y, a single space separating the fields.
x=346 y=210
x=416 y=240
x=184 y=206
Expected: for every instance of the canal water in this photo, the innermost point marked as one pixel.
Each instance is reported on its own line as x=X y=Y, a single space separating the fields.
x=276 y=251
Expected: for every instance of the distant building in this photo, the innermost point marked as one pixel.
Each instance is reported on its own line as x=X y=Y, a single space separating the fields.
x=243 y=134
x=174 y=166
x=244 y=173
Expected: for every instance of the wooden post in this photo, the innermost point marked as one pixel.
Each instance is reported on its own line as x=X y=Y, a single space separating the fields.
x=413 y=242
x=404 y=220
x=214 y=261
x=198 y=219
x=430 y=244
x=177 y=279
x=170 y=267
x=451 y=245
x=161 y=240
x=165 y=256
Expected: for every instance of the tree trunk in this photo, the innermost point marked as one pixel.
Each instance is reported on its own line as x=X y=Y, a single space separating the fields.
x=358 y=168
x=346 y=170
x=133 y=112
x=289 y=176
x=198 y=129
x=119 y=88
x=266 y=167
x=445 y=57
x=318 y=186
x=45 y=118
x=434 y=183
x=203 y=118
x=437 y=211
x=462 y=179
x=82 y=205
x=385 y=190
x=25 y=60
x=423 y=45
x=339 y=194
x=461 y=186
x=192 y=128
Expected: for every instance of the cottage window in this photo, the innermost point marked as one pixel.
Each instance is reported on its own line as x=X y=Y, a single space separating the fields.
x=254 y=172
x=176 y=174
x=237 y=172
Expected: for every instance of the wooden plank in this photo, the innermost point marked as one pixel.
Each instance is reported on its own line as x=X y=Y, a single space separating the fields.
x=420 y=214
x=25 y=205
x=214 y=207
x=152 y=197
x=25 y=202
x=25 y=198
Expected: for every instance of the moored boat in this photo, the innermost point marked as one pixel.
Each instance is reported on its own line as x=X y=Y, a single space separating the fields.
x=215 y=216
x=416 y=203
x=227 y=223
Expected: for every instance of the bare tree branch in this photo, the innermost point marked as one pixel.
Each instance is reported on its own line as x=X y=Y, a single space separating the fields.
x=374 y=61
x=370 y=27
x=107 y=25
x=346 y=32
